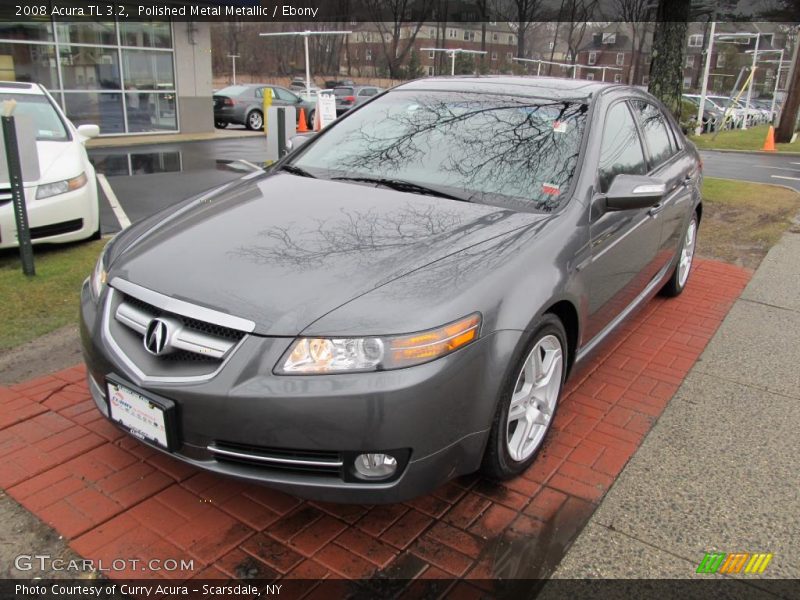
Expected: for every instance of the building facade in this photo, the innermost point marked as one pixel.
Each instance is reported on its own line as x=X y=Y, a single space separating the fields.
x=128 y=77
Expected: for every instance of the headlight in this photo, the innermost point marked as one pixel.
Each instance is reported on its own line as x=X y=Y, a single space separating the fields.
x=97 y=281
x=338 y=355
x=61 y=187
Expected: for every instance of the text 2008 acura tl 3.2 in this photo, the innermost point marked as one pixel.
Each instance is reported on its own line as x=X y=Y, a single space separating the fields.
x=400 y=300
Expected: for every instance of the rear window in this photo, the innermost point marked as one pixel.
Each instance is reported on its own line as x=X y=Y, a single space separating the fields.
x=343 y=91
x=232 y=90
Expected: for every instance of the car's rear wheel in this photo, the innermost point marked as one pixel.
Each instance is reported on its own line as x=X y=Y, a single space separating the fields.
x=254 y=120
x=220 y=124
x=680 y=275
x=528 y=403
x=311 y=118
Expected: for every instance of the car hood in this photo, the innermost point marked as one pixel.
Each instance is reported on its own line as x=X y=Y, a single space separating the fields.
x=285 y=250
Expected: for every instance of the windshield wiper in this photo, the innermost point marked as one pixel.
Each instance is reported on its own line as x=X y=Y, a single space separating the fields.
x=296 y=171
x=403 y=186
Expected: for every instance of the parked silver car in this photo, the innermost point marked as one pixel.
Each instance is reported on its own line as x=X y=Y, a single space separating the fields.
x=244 y=104
x=348 y=97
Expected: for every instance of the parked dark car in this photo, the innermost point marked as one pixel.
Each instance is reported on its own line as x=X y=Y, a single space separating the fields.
x=332 y=83
x=348 y=97
x=400 y=299
x=244 y=104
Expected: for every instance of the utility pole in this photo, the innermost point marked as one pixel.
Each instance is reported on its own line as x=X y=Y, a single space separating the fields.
x=233 y=57
x=706 y=71
x=791 y=104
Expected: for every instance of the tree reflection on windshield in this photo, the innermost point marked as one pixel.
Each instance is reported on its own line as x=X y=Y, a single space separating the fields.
x=509 y=150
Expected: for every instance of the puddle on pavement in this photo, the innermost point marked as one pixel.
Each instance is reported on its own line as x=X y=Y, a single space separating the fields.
x=115 y=164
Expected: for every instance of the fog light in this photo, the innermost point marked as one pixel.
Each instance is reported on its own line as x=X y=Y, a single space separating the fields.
x=375 y=466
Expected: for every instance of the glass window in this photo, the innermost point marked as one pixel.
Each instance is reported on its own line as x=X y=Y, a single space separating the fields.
x=149 y=111
x=49 y=125
x=285 y=95
x=655 y=130
x=99 y=108
x=621 y=148
x=28 y=31
x=35 y=63
x=508 y=151
x=87 y=32
x=147 y=34
x=148 y=70
x=85 y=68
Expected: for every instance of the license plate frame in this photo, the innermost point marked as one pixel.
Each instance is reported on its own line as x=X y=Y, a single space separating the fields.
x=146 y=416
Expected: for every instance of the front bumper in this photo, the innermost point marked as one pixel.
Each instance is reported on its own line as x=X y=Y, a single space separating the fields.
x=63 y=218
x=435 y=417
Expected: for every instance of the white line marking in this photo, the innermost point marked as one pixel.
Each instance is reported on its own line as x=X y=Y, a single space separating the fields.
x=794 y=163
x=783 y=177
x=253 y=166
x=778 y=168
x=123 y=219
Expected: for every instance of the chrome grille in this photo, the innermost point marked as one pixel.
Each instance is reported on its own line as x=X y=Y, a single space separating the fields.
x=191 y=340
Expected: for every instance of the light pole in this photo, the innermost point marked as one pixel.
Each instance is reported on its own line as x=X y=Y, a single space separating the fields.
x=704 y=87
x=305 y=35
x=233 y=58
x=777 y=76
x=452 y=53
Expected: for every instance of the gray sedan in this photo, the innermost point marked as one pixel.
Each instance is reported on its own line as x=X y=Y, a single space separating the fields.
x=244 y=104
x=400 y=300
x=348 y=97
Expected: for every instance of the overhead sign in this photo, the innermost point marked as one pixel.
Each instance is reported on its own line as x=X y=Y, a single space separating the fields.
x=326 y=109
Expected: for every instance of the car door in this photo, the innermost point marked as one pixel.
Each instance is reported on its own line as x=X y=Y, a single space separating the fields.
x=677 y=168
x=623 y=243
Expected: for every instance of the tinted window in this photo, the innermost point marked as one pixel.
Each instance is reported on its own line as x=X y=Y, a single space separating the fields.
x=656 y=134
x=232 y=90
x=285 y=95
x=493 y=149
x=621 y=148
x=343 y=91
x=368 y=92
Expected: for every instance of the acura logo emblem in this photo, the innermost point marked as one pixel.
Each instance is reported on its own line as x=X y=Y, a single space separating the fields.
x=156 y=337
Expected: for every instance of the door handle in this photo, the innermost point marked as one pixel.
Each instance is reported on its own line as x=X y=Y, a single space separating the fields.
x=687 y=180
x=656 y=209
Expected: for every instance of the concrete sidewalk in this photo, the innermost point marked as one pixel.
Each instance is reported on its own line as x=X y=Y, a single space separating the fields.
x=719 y=470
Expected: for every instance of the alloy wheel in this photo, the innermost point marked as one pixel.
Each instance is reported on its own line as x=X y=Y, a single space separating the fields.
x=687 y=253
x=533 y=402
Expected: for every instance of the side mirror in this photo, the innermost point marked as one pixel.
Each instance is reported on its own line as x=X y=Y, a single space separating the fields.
x=88 y=131
x=633 y=192
x=295 y=142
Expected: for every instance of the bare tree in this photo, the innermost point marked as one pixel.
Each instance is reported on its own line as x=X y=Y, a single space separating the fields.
x=669 y=41
x=401 y=14
x=634 y=13
x=577 y=14
x=522 y=13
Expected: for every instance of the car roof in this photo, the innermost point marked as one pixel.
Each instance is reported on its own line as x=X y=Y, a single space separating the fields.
x=546 y=87
x=20 y=87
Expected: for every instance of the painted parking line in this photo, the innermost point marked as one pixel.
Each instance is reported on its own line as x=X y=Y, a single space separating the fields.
x=124 y=221
x=778 y=168
x=253 y=166
x=784 y=177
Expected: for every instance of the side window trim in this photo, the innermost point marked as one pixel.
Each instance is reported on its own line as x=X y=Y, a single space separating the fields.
x=642 y=145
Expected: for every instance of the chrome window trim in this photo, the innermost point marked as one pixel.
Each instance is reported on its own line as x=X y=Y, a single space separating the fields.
x=274 y=459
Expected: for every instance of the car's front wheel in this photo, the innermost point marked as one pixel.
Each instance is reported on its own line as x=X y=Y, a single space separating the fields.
x=255 y=120
x=680 y=276
x=528 y=403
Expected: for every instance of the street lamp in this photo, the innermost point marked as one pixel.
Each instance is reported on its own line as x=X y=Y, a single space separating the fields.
x=778 y=74
x=549 y=62
x=305 y=35
x=727 y=37
x=233 y=57
x=452 y=52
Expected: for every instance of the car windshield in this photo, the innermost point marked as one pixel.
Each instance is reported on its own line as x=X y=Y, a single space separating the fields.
x=511 y=151
x=49 y=126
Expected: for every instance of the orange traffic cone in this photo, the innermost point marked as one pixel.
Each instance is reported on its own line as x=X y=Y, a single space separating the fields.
x=769 y=143
x=302 y=126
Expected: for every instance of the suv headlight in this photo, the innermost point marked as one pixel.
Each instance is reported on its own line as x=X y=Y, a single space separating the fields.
x=314 y=356
x=47 y=190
